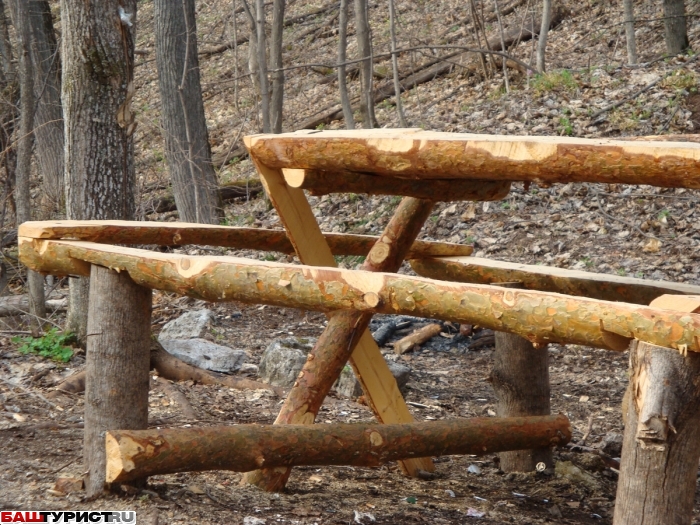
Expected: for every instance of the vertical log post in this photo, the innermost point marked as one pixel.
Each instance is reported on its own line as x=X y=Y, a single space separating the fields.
x=520 y=379
x=116 y=388
x=661 y=448
x=343 y=332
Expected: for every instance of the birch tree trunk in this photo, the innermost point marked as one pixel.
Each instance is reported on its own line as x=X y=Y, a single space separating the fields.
x=544 y=30
x=195 y=185
x=97 y=88
x=277 y=100
x=342 y=53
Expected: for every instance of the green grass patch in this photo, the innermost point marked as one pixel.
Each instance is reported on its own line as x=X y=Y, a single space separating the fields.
x=53 y=345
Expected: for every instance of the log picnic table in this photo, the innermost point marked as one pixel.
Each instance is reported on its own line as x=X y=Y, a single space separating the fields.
x=424 y=167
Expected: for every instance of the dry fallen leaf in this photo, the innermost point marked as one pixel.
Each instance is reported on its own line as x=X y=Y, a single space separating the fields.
x=652 y=246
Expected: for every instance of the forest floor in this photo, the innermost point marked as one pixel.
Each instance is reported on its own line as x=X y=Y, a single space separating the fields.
x=637 y=231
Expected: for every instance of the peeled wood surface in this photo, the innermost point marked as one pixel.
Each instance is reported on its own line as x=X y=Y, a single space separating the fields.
x=241 y=448
x=539 y=316
x=325 y=182
x=341 y=335
x=181 y=233
x=549 y=279
x=433 y=155
x=379 y=384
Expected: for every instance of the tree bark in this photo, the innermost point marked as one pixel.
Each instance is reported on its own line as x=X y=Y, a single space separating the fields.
x=542 y=317
x=20 y=304
x=117 y=359
x=675 y=26
x=7 y=71
x=35 y=281
x=194 y=182
x=628 y=6
x=137 y=454
x=337 y=342
x=338 y=181
x=262 y=65
x=549 y=279
x=520 y=379
x=97 y=88
x=276 y=63
x=180 y=234
x=544 y=30
x=48 y=119
x=395 y=65
x=342 y=53
x=364 y=48
x=661 y=448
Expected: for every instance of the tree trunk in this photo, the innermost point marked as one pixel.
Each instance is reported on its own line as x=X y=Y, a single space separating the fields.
x=253 y=66
x=364 y=48
x=544 y=30
x=628 y=6
x=117 y=359
x=262 y=65
x=195 y=185
x=137 y=454
x=342 y=53
x=98 y=66
x=520 y=379
x=395 y=65
x=661 y=448
x=337 y=342
x=7 y=72
x=48 y=120
x=675 y=26
x=276 y=45
x=35 y=281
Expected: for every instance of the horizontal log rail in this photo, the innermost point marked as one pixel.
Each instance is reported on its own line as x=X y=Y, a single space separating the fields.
x=541 y=317
x=549 y=279
x=182 y=233
x=414 y=153
x=447 y=190
x=135 y=454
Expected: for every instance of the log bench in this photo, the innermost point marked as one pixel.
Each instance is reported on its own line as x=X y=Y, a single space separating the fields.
x=427 y=167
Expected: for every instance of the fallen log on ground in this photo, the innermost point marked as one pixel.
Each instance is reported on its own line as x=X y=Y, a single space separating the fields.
x=182 y=233
x=416 y=338
x=19 y=304
x=134 y=454
x=174 y=369
x=549 y=279
x=541 y=317
x=228 y=192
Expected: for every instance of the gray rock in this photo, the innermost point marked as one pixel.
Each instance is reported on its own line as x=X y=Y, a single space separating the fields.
x=348 y=385
x=190 y=325
x=205 y=354
x=611 y=444
x=283 y=360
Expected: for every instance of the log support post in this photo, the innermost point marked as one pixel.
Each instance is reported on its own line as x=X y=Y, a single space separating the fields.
x=118 y=354
x=342 y=334
x=660 y=452
x=520 y=379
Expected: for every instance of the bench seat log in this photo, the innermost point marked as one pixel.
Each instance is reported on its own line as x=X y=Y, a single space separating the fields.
x=241 y=448
x=549 y=279
x=418 y=154
x=540 y=317
x=325 y=182
x=182 y=233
